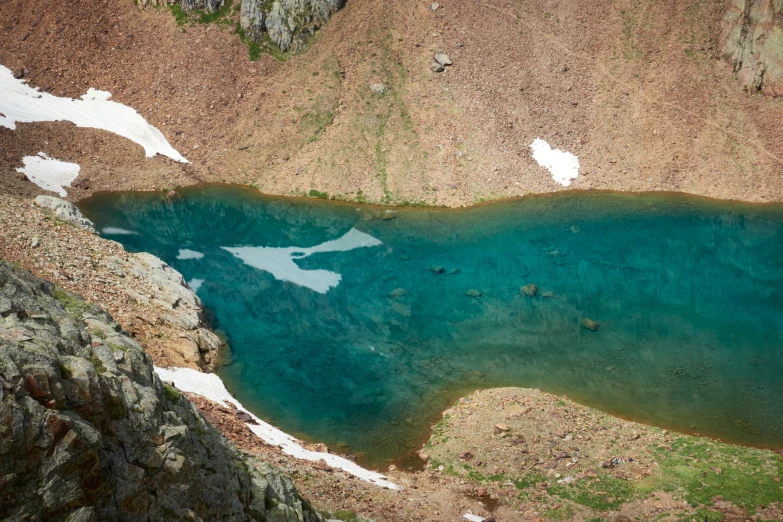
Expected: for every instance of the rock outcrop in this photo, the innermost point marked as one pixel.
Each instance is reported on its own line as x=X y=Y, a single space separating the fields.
x=88 y=431
x=753 y=44
x=65 y=211
x=288 y=22
x=210 y=6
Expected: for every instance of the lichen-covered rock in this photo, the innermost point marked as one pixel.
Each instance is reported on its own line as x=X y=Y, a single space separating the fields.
x=252 y=19
x=288 y=22
x=210 y=6
x=753 y=44
x=88 y=431
x=65 y=211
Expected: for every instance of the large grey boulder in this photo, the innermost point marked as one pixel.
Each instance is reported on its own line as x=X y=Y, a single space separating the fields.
x=88 y=431
x=252 y=19
x=288 y=22
x=65 y=211
x=210 y=6
x=753 y=44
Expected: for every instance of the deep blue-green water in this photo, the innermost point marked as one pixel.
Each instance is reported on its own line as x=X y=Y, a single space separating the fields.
x=688 y=293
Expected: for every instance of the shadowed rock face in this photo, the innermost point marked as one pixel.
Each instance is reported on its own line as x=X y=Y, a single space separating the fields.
x=753 y=44
x=88 y=431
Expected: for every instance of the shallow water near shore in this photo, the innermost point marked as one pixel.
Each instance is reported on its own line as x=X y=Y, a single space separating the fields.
x=344 y=329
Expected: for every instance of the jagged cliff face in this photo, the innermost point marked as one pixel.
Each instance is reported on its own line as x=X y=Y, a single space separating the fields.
x=753 y=44
x=88 y=431
x=288 y=22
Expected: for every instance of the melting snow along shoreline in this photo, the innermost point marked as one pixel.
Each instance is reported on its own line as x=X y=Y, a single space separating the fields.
x=211 y=386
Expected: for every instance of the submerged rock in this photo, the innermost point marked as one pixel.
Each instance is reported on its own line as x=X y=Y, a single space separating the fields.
x=398 y=292
x=436 y=269
x=89 y=432
x=590 y=324
x=529 y=290
x=473 y=293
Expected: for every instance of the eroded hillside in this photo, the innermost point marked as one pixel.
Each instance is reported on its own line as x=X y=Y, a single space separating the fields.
x=640 y=91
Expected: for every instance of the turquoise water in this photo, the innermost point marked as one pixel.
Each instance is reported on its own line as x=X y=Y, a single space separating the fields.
x=688 y=293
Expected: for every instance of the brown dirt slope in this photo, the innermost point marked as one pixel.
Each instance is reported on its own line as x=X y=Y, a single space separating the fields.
x=636 y=89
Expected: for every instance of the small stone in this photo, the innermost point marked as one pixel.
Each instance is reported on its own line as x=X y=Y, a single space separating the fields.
x=473 y=293
x=481 y=492
x=607 y=464
x=387 y=216
x=590 y=324
x=529 y=290
x=548 y=294
x=398 y=292
x=35 y=242
x=717 y=471
x=777 y=479
x=18 y=74
x=436 y=269
x=435 y=6
x=378 y=88
x=466 y=455
x=443 y=59
x=436 y=67
x=500 y=428
x=454 y=271
x=171 y=194
x=299 y=171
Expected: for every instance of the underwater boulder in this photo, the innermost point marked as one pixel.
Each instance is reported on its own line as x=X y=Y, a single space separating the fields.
x=435 y=269
x=590 y=324
x=473 y=293
x=529 y=290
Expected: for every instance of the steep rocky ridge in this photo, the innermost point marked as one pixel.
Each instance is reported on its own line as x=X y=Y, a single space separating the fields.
x=88 y=431
x=753 y=44
x=150 y=299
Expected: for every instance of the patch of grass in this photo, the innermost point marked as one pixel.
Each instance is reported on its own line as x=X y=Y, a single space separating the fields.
x=179 y=14
x=172 y=394
x=72 y=303
x=608 y=493
x=318 y=195
x=745 y=478
x=561 y=513
x=216 y=16
x=320 y=116
x=97 y=332
x=344 y=515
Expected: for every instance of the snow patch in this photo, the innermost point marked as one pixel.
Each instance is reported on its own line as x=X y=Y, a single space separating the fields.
x=21 y=103
x=117 y=231
x=49 y=173
x=184 y=253
x=195 y=284
x=564 y=166
x=210 y=386
x=280 y=261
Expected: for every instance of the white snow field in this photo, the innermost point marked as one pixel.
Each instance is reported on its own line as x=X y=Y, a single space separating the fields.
x=21 y=103
x=49 y=173
x=563 y=166
x=210 y=386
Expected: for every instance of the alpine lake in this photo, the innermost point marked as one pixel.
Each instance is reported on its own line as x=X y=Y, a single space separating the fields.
x=356 y=325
